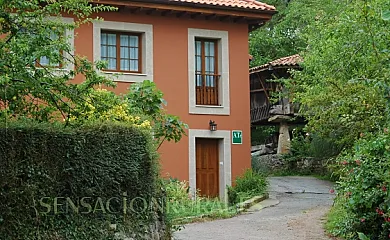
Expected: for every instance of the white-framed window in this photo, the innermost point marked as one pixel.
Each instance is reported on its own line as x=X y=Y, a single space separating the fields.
x=69 y=36
x=126 y=47
x=208 y=72
x=122 y=51
x=207 y=75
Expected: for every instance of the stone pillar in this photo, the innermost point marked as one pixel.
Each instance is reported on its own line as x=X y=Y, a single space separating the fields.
x=284 y=138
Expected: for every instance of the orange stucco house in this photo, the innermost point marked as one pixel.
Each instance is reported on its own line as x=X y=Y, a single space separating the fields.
x=196 y=51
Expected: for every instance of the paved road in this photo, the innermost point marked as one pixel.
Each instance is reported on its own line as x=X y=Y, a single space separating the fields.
x=303 y=202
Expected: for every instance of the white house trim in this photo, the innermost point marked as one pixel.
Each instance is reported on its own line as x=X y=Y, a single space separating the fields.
x=225 y=169
x=69 y=34
x=146 y=31
x=223 y=68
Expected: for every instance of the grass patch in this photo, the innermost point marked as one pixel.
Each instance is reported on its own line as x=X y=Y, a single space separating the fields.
x=247 y=186
x=199 y=210
x=335 y=216
x=183 y=208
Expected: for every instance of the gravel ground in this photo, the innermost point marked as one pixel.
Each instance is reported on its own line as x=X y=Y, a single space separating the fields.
x=300 y=214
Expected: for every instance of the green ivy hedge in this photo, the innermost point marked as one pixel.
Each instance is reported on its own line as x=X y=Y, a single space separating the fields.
x=76 y=183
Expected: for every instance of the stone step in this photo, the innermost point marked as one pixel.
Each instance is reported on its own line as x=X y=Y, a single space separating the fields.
x=270 y=202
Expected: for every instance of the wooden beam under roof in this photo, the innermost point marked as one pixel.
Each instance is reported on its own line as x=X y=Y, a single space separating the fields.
x=166 y=12
x=181 y=14
x=211 y=16
x=238 y=19
x=194 y=15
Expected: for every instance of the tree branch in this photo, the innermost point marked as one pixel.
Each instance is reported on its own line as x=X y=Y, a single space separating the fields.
x=161 y=142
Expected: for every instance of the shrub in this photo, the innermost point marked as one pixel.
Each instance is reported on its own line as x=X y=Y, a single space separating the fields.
x=104 y=105
x=304 y=145
x=146 y=98
x=233 y=197
x=262 y=134
x=142 y=106
x=248 y=185
x=40 y=163
x=314 y=149
x=177 y=190
x=363 y=189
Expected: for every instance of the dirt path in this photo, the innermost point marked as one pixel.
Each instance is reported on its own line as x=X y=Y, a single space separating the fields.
x=303 y=203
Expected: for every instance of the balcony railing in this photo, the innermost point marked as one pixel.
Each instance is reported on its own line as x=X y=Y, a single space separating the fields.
x=260 y=113
x=207 y=89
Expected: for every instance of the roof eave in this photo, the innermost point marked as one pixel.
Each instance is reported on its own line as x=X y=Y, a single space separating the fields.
x=199 y=5
x=253 y=14
x=248 y=10
x=270 y=68
x=253 y=18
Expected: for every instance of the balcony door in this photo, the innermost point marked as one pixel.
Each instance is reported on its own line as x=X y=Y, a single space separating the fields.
x=206 y=71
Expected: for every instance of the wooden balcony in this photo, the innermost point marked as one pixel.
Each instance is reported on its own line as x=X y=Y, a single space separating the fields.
x=207 y=89
x=259 y=114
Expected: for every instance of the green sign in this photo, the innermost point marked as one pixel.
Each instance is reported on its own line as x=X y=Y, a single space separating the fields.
x=236 y=137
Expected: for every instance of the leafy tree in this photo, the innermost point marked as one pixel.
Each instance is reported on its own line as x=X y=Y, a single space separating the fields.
x=145 y=98
x=141 y=106
x=284 y=35
x=34 y=44
x=344 y=89
x=33 y=85
x=270 y=41
x=344 y=86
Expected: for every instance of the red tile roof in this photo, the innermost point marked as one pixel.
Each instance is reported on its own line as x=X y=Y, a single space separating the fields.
x=289 y=61
x=246 y=4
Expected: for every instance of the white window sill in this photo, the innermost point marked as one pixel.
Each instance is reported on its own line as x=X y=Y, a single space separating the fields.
x=127 y=77
x=208 y=106
x=125 y=73
x=209 y=110
x=54 y=69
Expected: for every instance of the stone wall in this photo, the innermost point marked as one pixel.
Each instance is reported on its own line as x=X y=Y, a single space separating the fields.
x=312 y=165
x=268 y=163
x=274 y=162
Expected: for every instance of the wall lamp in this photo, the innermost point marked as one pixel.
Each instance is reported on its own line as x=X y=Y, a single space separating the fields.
x=213 y=126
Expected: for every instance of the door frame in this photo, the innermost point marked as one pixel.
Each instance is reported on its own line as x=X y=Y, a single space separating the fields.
x=225 y=169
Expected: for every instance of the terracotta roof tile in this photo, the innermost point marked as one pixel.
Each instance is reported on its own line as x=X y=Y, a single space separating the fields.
x=247 y=4
x=289 y=61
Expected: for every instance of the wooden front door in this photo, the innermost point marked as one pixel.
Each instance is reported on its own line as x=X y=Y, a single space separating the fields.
x=207 y=170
